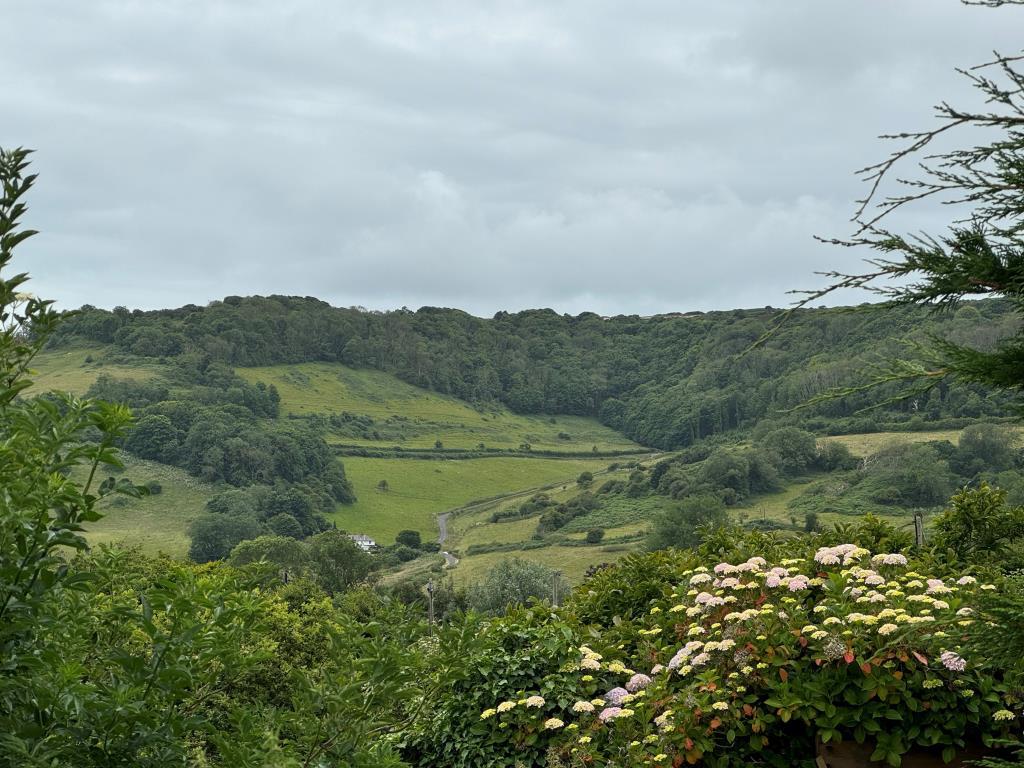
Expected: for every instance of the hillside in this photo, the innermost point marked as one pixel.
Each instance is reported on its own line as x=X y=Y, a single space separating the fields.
x=665 y=381
x=158 y=523
x=308 y=396
x=382 y=410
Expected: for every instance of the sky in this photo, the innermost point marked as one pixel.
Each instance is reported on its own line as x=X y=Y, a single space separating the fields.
x=584 y=155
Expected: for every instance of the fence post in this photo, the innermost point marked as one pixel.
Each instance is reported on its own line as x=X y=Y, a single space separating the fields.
x=919 y=528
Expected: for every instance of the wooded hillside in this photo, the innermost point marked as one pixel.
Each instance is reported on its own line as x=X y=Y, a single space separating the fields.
x=664 y=381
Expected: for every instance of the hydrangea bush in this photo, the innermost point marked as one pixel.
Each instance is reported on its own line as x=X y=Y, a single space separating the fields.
x=747 y=663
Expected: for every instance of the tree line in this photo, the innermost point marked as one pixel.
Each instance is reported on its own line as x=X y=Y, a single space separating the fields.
x=665 y=381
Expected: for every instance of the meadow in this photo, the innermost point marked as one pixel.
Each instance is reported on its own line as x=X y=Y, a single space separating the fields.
x=416 y=418
x=419 y=490
x=156 y=523
x=618 y=517
x=75 y=369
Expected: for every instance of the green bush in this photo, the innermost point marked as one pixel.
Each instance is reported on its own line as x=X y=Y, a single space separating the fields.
x=513 y=582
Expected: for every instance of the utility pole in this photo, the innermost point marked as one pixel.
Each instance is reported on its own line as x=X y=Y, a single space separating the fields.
x=555 y=578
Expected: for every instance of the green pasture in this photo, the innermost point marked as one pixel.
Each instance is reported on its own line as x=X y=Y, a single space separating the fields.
x=155 y=523
x=75 y=369
x=866 y=444
x=420 y=489
x=573 y=562
x=416 y=418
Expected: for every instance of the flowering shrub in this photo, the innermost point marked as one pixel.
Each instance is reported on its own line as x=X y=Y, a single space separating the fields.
x=747 y=662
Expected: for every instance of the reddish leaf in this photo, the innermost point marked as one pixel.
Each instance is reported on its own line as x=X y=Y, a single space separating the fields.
x=919 y=657
x=748 y=710
x=849 y=657
x=783 y=674
x=714 y=724
x=898 y=674
x=803 y=641
x=866 y=667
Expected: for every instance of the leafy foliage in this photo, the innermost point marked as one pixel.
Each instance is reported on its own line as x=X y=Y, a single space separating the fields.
x=514 y=582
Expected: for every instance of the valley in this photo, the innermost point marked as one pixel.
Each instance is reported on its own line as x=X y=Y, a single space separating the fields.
x=411 y=454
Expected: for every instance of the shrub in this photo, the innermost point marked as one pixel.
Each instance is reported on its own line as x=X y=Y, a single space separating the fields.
x=513 y=582
x=980 y=527
x=409 y=539
x=749 y=663
x=404 y=554
x=595 y=535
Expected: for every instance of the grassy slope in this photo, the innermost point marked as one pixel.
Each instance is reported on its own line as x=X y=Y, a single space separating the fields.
x=329 y=388
x=66 y=369
x=620 y=517
x=571 y=561
x=154 y=523
x=862 y=445
x=626 y=516
x=422 y=489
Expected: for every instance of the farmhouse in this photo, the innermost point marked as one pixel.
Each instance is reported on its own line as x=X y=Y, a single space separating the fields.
x=363 y=541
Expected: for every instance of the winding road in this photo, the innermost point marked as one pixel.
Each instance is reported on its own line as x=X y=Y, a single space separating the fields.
x=442 y=527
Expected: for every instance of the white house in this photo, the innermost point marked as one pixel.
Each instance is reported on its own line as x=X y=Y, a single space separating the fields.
x=363 y=541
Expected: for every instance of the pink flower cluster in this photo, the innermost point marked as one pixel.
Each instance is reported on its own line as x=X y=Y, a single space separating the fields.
x=637 y=682
x=843 y=554
x=615 y=696
x=953 y=661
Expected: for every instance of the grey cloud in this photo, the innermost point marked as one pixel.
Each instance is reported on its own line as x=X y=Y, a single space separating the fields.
x=583 y=155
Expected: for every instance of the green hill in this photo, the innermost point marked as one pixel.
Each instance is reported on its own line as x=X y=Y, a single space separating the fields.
x=407 y=416
x=397 y=413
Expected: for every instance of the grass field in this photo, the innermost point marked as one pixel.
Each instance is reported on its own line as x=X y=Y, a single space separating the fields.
x=67 y=370
x=619 y=517
x=155 y=523
x=419 y=490
x=415 y=418
x=863 y=445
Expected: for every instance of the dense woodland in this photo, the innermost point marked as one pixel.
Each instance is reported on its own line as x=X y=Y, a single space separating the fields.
x=665 y=381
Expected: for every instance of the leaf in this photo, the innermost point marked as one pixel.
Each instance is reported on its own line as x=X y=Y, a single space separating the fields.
x=866 y=667
x=919 y=657
x=849 y=657
x=783 y=674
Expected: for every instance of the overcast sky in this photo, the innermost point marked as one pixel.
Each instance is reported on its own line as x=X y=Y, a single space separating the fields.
x=618 y=157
